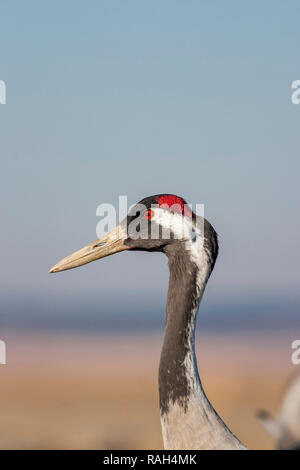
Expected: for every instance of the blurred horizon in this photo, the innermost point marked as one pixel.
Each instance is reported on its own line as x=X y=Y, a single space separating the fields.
x=64 y=313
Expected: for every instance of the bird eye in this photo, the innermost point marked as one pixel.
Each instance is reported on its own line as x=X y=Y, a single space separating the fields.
x=148 y=214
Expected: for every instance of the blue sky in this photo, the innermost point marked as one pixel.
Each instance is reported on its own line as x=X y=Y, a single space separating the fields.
x=106 y=98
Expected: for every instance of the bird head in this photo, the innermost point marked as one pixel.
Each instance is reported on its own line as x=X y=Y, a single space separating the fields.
x=163 y=222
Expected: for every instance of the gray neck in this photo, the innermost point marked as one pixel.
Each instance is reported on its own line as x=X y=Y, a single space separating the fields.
x=188 y=419
x=182 y=305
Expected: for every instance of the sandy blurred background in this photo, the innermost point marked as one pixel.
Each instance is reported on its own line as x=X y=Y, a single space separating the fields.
x=99 y=391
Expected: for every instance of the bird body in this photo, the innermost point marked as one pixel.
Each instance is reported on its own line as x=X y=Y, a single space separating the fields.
x=165 y=223
x=285 y=426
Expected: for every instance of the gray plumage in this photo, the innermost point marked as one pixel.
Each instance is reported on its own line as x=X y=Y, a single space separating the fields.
x=188 y=419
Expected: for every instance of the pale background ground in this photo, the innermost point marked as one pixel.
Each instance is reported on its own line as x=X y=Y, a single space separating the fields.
x=99 y=391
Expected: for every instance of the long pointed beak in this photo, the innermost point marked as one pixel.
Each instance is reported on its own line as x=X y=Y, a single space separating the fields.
x=112 y=242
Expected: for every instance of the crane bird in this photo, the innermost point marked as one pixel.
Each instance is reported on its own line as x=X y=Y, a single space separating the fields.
x=285 y=426
x=165 y=223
